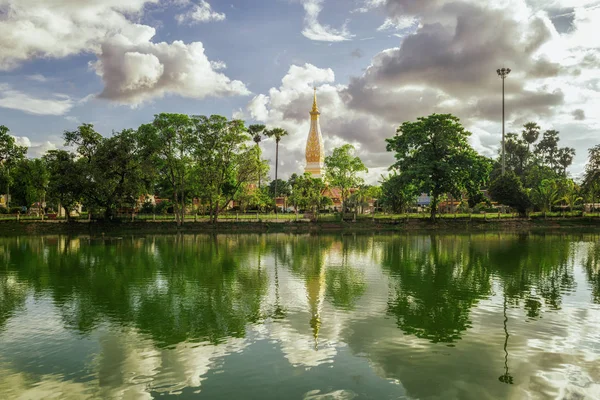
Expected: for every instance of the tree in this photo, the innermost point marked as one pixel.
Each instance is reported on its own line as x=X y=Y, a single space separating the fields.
x=547 y=148
x=10 y=153
x=117 y=169
x=591 y=179
x=530 y=133
x=508 y=190
x=396 y=194
x=571 y=193
x=256 y=131
x=30 y=182
x=276 y=133
x=546 y=195
x=517 y=154
x=65 y=179
x=565 y=158
x=307 y=193
x=171 y=141
x=284 y=188
x=341 y=170
x=433 y=154
x=224 y=162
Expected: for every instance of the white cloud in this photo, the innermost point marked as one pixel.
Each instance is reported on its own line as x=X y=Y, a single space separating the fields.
x=17 y=100
x=37 y=78
x=314 y=30
x=133 y=67
x=202 y=12
x=137 y=72
x=398 y=23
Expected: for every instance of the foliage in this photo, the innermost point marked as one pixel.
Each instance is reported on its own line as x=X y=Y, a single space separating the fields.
x=307 y=193
x=546 y=195
x=284 y=188
x=508 y=190
x=66 y=179
x=342 y=170
x=396 y=194
x=434 y=155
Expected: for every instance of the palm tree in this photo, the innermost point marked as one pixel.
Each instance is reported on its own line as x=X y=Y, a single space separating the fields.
x=530 y=134
x=546 y=195
x=565 y=158
x=256 y=131
x=277 y=133
x=571 y=196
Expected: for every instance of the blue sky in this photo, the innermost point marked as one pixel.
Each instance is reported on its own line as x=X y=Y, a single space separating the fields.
x=376 y=63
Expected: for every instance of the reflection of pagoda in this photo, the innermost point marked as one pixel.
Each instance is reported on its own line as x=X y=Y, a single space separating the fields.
x=315 y=287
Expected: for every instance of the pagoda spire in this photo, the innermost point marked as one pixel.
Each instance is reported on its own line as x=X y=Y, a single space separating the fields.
x=315 y=151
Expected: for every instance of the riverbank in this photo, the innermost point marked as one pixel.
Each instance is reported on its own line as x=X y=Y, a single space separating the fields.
x=11 y=228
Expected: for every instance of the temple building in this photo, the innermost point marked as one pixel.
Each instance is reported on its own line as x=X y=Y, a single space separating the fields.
x=315 y=151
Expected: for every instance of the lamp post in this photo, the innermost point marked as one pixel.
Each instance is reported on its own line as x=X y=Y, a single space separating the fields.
x=503 y=73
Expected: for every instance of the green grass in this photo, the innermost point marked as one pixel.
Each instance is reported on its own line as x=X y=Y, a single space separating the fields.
x=232 y=217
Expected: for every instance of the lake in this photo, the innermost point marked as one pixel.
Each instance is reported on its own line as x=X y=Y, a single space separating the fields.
x=278 y=316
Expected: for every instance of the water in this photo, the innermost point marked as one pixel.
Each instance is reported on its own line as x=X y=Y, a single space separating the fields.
x=485 y=316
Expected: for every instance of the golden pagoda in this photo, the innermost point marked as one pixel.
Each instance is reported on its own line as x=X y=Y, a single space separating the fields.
x=315 y=151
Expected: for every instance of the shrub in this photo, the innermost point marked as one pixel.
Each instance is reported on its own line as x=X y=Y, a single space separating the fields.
x=147 y=208
x=3 y=210
x=508 y=190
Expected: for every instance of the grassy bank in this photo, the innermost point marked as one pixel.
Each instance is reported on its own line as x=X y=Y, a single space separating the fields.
x=32 y=227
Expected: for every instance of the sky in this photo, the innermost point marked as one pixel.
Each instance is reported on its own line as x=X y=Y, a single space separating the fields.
x=375 y=63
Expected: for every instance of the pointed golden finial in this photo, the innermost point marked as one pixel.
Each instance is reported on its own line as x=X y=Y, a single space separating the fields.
x=315 y=108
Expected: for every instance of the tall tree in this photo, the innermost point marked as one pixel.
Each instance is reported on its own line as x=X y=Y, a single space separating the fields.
x=591 y=178
x=66 y=179
x=10 y=153
x=224 y=162
x=434 y=154
x=565 y=157
x=170 y=137
x=530 y=133
x=257 y=131
x=342 y=169
x=547 y=148
x=276 y=133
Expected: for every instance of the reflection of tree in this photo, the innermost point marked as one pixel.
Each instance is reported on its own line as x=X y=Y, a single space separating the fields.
x=531 y=268
x=174 y=288
x=592 y=269
x=437 y=281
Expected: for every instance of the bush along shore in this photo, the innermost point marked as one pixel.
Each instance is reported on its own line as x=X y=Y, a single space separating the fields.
x=391 y=223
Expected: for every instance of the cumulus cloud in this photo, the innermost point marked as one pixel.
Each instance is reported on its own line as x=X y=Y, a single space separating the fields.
x=133 y=67
x=201 y=12
x=448 y=65
x=135 y=72
x=17 y=100
x=314 y=30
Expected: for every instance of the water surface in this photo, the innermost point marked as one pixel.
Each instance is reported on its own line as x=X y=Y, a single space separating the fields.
x=486 y=316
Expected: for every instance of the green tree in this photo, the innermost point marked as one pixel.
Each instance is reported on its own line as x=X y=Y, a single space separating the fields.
x=565 y=158
x=171 y=141
x=546 y=195
x=284 y=188
x=547 y=148
x=307 y=193
x=118 y=169
x=257 y=131
x=591 y=178
x=224 y=162
x=397 y=194
x=571 y=193
x=30 y=181
x=342 y=169
x=517 y=154
x=530 y=133
x=508 y=190
x=66 y=179
x=276 y=133
x=10 y=153
x=434 y=154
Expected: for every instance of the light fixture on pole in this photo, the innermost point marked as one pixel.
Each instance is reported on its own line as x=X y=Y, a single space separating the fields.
x=503 y=73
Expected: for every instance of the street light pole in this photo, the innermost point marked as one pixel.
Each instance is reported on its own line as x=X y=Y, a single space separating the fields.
x=503 y=73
